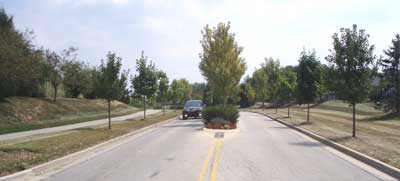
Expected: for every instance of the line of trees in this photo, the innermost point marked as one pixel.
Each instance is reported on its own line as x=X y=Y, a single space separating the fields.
x=353 y=74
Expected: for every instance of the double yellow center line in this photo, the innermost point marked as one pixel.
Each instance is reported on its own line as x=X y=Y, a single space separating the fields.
x=214 y=150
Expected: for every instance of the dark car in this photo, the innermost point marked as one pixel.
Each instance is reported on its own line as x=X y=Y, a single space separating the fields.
x=193 y=108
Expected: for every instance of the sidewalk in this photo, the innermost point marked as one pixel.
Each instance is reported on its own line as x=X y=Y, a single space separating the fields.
x=22 y=134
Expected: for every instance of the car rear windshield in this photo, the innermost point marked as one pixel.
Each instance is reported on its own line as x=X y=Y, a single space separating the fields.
x=193 y=104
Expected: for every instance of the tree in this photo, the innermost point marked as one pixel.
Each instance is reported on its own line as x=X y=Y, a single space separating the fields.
x=391 y=74
x=163 y=84
x=73 y=81
x=260 y=84
x=179 y=91
x=271 y=68
x=21 y=62
x=286 y=87
x=122 y=87
x=221 y=64
x=53 y=70
x=108 y=80
x=308 y=79
x=247 y=93
x=352 y=56
x=145 y=83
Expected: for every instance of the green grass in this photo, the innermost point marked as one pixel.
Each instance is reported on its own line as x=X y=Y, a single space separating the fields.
x=20 y=156
x=378 y=133
x=25 y=113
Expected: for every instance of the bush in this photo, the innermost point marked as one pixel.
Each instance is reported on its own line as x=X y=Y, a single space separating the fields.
x=214 y=114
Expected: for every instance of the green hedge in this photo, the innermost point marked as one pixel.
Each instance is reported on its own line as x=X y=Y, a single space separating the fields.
x=229 y=113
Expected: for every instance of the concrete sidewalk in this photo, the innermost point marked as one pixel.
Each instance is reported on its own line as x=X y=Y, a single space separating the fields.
x=22 y=134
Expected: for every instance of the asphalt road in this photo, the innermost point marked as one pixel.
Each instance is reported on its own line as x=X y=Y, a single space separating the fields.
x=22 y=134
x=180 y=150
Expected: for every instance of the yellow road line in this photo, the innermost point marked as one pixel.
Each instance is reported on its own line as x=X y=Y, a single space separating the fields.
x=207 y=160
x=215 y=163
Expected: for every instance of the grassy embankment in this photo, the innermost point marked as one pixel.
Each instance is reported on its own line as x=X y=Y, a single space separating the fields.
x=378 y=133
x=19 y=156
x=24 y=113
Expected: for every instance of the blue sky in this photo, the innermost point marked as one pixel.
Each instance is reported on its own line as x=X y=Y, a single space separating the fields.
x=169 y=31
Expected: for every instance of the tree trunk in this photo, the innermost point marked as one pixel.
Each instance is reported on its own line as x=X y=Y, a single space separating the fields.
x=263 y=106
x=144 y=107
x=109 y=113
x=308 y=113
x=354 y=119
x=288 y=111
x=276 y=108
x=55 y=93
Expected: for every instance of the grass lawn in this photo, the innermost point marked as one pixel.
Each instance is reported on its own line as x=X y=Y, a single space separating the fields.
x=25 y=113
x=378 y=133
x=20 y=156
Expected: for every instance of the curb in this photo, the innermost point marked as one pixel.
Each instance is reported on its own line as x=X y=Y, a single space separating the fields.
x=229 y=132
x=379 y=165
x=82 y=155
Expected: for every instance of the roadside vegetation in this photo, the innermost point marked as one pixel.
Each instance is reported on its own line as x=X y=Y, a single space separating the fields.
x=378 y=132
x=24 y=113
x=19 y=156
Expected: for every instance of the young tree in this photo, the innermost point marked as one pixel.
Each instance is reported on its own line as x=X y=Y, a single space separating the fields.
x=73 y=81
x=163 y=84
x=286 y=87
x=53 y=70
x=260 y=84
x=221 y=64
x=308 y=79
x=179 y=91
x=107 y=81
x=352 y=56
x=391 y=73
x=247 y=93
x=145 y=82
x=271 y=68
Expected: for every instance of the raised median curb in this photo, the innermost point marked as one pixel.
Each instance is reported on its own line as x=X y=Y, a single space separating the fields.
x=379 y=165
x=62 y=163
x=227 y=132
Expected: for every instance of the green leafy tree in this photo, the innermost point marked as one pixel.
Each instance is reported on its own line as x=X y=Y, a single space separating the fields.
x=53 y=70
x=308 y=79
x=247 y=93
x=221 y=64
x=271 y=68
x=21 y=64
x=122 y=87
x=352 y=56
x=179 y=91
x=391 y=74
x=286 y=87
x=145 y=82
x=108 y=80
x=260 y=84
x=163 y=84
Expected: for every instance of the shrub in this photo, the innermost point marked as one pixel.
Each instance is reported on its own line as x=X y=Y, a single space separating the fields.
x=214 y=114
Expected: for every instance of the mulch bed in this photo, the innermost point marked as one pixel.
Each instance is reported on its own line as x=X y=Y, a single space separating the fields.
x=220 y=126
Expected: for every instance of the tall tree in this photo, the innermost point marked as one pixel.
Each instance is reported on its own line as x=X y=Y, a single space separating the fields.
x=179 y=91
x=391 y=73
x=260 y=84
x=308 y=79
x=163 y=84
x=53 y=70
x=352 y=56
x=221 y=64
x=145 y=83
x=20 y=61
x=108 y=80
x=271 y=68
x=286 y=87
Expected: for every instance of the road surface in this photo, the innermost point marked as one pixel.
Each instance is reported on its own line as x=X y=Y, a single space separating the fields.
x=180 y=150
x=23 y=134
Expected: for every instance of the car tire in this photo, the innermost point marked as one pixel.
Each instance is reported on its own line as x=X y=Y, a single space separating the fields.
x=183 y=117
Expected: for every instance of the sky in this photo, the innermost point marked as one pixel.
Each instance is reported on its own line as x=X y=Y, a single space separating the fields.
x=169 y=32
